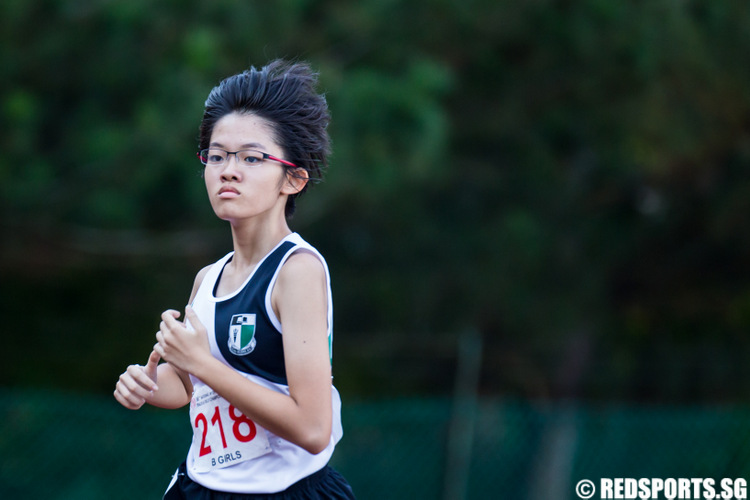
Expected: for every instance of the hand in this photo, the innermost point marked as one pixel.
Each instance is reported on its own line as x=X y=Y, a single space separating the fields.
x=182 y=344
x=137 y=383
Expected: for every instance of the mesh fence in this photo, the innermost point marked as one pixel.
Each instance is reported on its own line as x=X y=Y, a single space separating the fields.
x=71 y=446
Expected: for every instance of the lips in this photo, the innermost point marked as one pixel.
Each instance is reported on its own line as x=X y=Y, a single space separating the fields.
x=228 y=192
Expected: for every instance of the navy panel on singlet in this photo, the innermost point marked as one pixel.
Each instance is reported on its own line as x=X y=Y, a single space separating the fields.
x=244 y=333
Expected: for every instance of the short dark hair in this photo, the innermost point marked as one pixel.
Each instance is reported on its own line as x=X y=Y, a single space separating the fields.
x=284 y=94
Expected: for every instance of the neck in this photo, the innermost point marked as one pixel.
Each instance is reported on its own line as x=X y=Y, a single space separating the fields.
x=253 y=242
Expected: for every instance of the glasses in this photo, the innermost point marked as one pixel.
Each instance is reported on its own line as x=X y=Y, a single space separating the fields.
x=215 y=157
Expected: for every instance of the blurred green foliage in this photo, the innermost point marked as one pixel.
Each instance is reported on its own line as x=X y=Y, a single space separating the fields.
x=66 y=446
x=570 y=178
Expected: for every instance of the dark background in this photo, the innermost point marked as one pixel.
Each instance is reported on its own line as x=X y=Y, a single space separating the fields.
x=568 y=179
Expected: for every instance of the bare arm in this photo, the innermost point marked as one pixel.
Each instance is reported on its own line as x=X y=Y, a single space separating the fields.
x=138 y=385
x=301 y=301
x=161 y=385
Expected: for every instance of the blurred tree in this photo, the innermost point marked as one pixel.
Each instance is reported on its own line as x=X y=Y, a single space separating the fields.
x=571 y=178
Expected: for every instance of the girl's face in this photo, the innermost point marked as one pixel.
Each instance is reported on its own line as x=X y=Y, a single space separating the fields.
x=242 y=187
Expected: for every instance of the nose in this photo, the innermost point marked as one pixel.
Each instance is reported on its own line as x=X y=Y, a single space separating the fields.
x=230 y=170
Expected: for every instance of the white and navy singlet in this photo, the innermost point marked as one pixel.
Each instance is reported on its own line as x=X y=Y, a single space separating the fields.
x=229 y=451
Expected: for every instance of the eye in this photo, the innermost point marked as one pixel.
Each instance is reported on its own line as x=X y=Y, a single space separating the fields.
x=214 y=156
x=251 y=158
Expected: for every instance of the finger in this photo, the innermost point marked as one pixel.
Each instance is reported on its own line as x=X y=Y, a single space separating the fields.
x=123 y=401
x=152 y=367
x=169 y=325
x=192 y=319
x=129 y=404
x=138 y=381
x=161 y=345
x=126 y=398
x=158 y=349
x=170 y=316
x=125 y=394
x=153 y=359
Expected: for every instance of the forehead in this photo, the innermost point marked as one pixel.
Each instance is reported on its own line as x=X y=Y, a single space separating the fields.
x=236 y=130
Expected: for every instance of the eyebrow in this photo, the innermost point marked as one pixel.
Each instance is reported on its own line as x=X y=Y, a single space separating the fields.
x=249 y=145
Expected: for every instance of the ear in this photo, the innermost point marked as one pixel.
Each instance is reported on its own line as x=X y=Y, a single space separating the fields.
x=296 y=180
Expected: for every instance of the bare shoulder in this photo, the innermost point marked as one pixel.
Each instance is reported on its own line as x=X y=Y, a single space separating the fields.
x=197 y=283
x=201 y=274
x=300 y=301
x=303 y=261
x=302 y=270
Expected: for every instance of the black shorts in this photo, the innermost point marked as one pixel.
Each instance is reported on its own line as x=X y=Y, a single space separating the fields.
x=325 y=484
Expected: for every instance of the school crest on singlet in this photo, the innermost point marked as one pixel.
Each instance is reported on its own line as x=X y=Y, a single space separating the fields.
x=241 y=339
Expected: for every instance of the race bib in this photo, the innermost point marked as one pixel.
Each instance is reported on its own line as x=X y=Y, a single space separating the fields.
x=222 y=435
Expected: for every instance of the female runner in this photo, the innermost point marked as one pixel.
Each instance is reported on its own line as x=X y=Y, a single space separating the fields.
x=252 y=354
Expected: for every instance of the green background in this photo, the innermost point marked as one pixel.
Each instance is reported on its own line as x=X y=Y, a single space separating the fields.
x=565 y=183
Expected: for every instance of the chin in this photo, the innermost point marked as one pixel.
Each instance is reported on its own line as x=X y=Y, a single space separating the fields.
x=226 y=215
